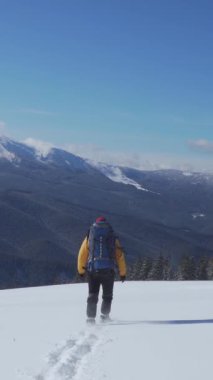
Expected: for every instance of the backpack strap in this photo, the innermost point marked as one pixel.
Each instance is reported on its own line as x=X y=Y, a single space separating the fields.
x=91 y=252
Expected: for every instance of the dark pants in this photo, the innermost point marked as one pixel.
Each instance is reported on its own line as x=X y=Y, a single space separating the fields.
x=104 y=278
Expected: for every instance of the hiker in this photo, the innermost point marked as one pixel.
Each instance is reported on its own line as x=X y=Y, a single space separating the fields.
x=99 y=255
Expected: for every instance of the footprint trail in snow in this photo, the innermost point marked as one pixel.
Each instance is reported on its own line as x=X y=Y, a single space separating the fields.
x=68 y=361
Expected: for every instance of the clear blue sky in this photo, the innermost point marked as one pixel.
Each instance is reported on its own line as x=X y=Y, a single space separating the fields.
x=132 y=76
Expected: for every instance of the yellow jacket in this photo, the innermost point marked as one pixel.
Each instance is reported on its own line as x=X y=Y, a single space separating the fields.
x=84 y=254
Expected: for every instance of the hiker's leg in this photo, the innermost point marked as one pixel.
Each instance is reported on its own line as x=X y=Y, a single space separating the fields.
x=107 y=284
x=92 y=300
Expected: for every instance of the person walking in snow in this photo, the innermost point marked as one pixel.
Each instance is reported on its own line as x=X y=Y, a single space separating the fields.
x=99 y=255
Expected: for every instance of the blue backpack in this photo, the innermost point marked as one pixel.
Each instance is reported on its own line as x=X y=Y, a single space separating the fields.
x=101 y=240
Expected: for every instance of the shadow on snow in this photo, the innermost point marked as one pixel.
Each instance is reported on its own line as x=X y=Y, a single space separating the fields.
x=164 y=322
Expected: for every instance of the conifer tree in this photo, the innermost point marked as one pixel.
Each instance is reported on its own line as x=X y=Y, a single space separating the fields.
x=157 y=271
x=146 y=268
x=210 y=269
x=202 y=268
x=187 y=268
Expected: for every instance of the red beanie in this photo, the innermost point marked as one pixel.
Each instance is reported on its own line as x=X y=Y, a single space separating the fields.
x=100 y=219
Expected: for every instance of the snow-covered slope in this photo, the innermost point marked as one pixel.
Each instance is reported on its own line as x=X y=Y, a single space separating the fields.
x=116 y=174
x=159 y=331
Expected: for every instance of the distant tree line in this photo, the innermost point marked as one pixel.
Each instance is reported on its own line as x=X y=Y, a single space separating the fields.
x=24 y=273
x=161 y=268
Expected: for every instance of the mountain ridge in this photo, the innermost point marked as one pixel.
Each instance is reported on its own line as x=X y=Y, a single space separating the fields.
x=48 y=202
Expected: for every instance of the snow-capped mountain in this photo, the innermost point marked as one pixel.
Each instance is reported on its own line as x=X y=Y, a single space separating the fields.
x=49 y=197
x=17 y=153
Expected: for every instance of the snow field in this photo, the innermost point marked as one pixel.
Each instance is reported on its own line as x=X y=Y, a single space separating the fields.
x=160 y=330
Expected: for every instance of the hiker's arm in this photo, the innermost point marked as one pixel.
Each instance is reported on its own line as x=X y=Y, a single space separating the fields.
x=83 y=256
x=120 y=259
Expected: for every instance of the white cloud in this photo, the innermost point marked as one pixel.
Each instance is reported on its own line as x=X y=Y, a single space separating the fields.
x=202 y=145
x=140 y=161
x=42 y=148
x=5 y=154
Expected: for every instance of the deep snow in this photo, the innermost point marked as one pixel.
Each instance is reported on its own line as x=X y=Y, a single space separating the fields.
x=160 y=331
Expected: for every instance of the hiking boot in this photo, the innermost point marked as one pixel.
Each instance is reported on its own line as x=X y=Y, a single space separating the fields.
x=91 y=321
x=105 y=318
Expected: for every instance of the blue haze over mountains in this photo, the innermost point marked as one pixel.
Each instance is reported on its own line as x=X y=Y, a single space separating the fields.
x=47 y=203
